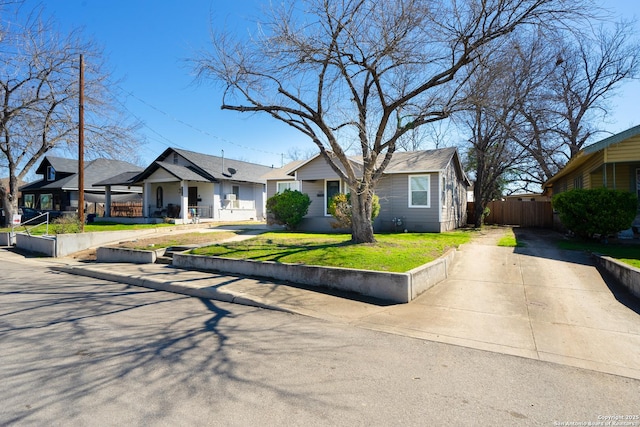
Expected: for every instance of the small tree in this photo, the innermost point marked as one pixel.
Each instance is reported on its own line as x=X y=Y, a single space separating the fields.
x=588 y=213
x=340 y=208
x=289 y=207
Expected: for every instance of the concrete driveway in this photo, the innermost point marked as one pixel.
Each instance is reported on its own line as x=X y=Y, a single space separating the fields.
x=536 y=302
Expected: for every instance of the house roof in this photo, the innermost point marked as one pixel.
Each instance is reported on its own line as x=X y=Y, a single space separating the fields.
x=183 y=172
x=587 y=152
x=123 y=178
x=60 y=164
x=402 y=162
x=283 y=173
x=421 y=161
x=95 y=171
x=206 y=168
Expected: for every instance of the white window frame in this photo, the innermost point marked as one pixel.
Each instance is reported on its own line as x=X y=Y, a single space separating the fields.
x=287 y=185
x=428 y=190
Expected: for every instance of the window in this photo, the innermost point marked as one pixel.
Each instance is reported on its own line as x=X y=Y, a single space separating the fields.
x=419 y=196
x=46 y=202
x=287 y=185
x=577 y=182
x=175 y=158
x=159 y=197
x=29 y=200
x=51 y=173
x=235 y=189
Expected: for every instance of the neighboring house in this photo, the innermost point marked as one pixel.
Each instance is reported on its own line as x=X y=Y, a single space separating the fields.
x=527 y=197
x=422 y=191
x=613 y=162
x=58 y=189
x=180 y=183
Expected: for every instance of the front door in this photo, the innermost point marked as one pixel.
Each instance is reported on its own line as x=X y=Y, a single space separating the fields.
x=193 y=196
x=332 y=188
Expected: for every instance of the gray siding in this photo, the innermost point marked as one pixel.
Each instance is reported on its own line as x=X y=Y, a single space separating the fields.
x=393 y=191
x=316 y=169
x=315 y=190
x=453 y=201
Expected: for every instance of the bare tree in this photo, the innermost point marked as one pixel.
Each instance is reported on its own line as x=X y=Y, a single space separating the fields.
x=495 y=89
x=580 y=71
x=39 y=69
x=363 y=73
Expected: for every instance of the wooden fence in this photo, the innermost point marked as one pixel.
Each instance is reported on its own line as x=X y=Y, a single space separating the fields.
x=128 y=209
x=516 y=212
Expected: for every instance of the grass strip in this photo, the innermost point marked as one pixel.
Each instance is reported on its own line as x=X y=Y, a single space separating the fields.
x=629 y=253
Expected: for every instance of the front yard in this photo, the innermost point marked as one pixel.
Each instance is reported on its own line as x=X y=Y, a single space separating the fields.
x=393 y=252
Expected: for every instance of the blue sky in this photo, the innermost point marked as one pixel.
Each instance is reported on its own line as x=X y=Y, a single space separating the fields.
x=147 y=43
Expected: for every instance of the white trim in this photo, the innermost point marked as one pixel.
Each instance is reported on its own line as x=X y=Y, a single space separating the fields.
x=326 y=211
x=291 y=183
x=443 y=200
x=409 y=201
x=414 y=171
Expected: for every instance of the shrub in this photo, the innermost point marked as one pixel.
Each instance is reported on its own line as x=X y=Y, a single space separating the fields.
x=589 y=213
x=66 y=224
x=289 y=207
x=340 y=209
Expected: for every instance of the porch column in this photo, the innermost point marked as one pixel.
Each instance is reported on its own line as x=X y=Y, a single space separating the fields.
x=107 y=201
x=146 y=190
x=184 y=201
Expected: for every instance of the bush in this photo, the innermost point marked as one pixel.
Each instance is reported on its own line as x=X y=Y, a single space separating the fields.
x=340 y=209
x=589 y=213
x=289 y=207
x=66 y=224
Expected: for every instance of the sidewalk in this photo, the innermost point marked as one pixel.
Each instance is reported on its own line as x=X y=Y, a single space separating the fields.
x=535 y=302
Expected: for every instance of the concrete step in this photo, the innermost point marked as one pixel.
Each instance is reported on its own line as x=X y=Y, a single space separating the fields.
x=164 y=260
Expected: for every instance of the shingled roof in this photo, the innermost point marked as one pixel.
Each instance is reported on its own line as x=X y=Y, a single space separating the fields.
x=206 y=168
x=94 y=171
x=422 y=161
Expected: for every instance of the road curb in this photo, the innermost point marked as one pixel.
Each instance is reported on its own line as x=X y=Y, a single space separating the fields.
x=159 y=285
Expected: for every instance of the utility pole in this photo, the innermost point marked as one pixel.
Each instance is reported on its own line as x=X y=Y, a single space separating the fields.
x=81 y=148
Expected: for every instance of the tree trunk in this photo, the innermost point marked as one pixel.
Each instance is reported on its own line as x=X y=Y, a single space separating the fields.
x=479 y=205
x=361 y=223
x=9 y=206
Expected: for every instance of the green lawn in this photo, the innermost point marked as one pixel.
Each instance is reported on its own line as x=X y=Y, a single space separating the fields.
x=106 y=226
x=509 y=240
x=392 y=252
x=628 y=253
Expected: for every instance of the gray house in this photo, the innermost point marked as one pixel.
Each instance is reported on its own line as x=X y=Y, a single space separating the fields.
x=421 y=191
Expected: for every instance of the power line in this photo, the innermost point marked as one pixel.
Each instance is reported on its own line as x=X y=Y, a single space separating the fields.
x=182 y=122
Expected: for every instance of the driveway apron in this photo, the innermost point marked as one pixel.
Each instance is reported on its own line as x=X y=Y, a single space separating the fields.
x=534 y=301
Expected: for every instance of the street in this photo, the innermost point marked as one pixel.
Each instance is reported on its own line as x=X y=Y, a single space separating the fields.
x=81 y=351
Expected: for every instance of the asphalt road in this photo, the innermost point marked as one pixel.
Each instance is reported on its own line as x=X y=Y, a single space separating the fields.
x=79 y=351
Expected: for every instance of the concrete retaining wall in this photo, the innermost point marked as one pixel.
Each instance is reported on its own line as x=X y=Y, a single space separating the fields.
x=396 y=287
x=135 y=256
x=45 y=245
x=627 y=275
x=67 y=244
x=128 y=220
x=7 y=238
x=428 y=275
